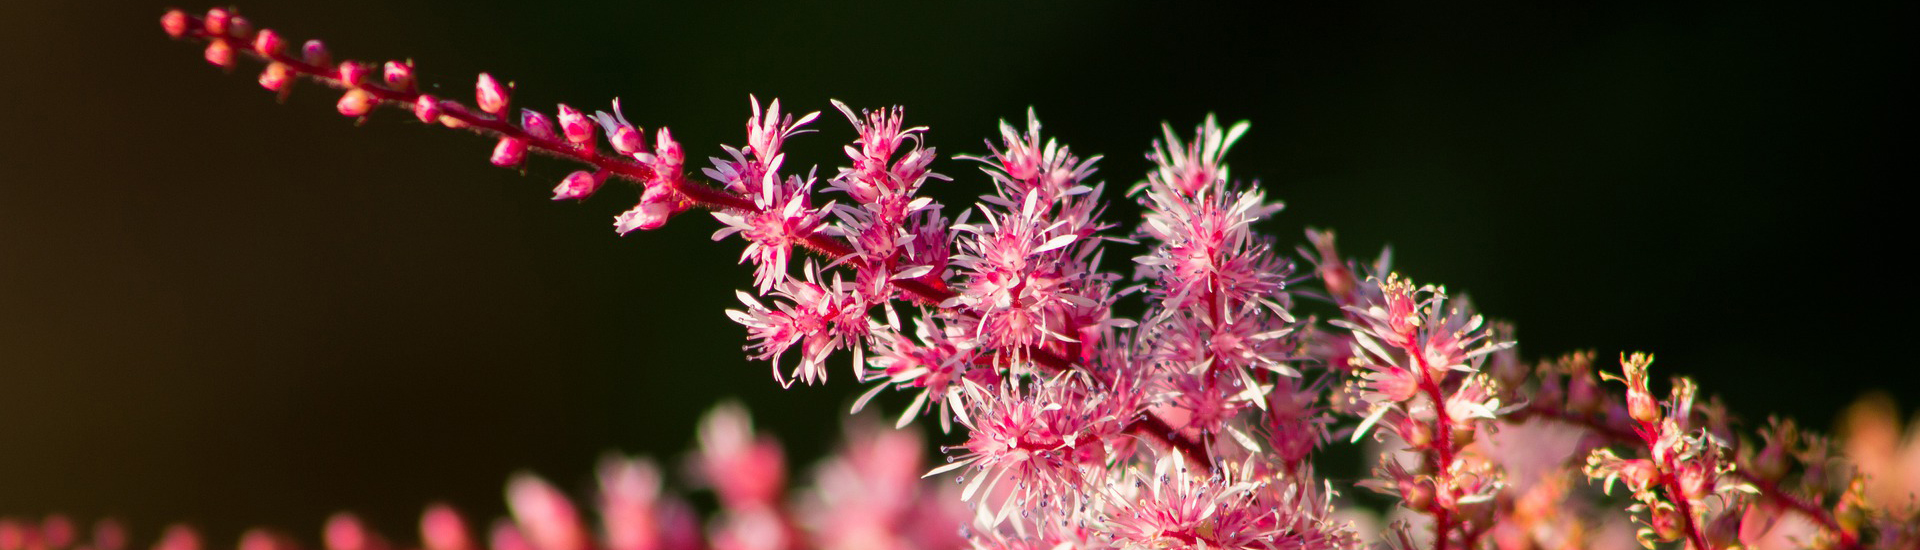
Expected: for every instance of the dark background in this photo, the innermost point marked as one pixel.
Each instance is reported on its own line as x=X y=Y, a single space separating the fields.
x=219 y=309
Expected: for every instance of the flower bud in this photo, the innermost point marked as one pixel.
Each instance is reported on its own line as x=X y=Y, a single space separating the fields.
x=109 y=534
x=628 y=140
x=268 y=43
x=220 y=53
x=490 y=95
x=344 y=531
x=575 y=125
x=1418 y=495
x=315 y=53
x=239 y=27
x=354 y=73
x=1641 y=406
x=427 y=108
x=545 y=516
x=278 y=77
x=652 y=212
x=175 y=22
x=668 y=151
x=536 y=124
x=355 y=103
x=399 y=76
x=216 y=21
x=509 y=152
x=578 y=185
x=442 y=529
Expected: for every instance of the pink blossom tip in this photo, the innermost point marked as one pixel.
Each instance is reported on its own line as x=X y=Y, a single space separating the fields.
x=427 y=108
x=537 y=124
x=216 y=21
x=314 y=52
x=175 y=22
x=277 y=77
x=578 y=185
x=509 y=152
x=441 y=528
x=220 y=53
x=354 y=73
x=268 y=42
x=399 y=76
x=652 y=212
x=491 y=96
x=355 y=103
x=575 y=125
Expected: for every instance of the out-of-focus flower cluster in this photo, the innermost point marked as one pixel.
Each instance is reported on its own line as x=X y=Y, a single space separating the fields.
x=1191 y=425
x=866 y=495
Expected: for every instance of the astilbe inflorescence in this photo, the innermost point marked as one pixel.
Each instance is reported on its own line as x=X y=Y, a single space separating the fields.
x=1192 y=426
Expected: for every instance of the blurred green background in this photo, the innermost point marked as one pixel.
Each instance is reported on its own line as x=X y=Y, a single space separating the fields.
x=220 y=309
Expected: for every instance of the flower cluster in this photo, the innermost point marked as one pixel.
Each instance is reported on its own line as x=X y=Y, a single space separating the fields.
x=864 y=496
x=1194 y=425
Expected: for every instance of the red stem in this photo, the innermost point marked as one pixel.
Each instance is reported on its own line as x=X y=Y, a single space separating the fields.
x=1442 y=448
x=696 y=194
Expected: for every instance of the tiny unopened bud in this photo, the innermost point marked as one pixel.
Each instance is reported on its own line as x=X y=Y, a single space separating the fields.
x=239 y=27
x=344 y=531
x=355 y=103
x=399 y=76
x=668 y=150
x=427 y=108
x=268 y=43
x=175 y=22
x=490 y=95
x=278 y=77
x=509 y=152
x=216 y=21
x=109 y=534
x=219 y=52
x=578 y=185
x=1418 y=495
x=354 y=73
x=575 y=125
x=628 y=140
x=656 y=205
x=442 y=529
x=536 y=124
x=1641 y=406
x=315 y=53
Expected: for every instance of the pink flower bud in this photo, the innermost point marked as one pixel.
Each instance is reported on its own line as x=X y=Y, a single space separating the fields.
x=355 y=103
x=109 y=534
x=278 y=77
x=57 y=531
x=491 y=96
x=628 y=140
x=220 y=53
x=178 y=537
x=578 y=185
x=442 y=529
x=216 y=21
x=536 y=124
x=268 y=43
x=545 y=515
x=427 y=108
x=354 y=73
x=509 y=152
x=399 y=75
x=576 y=126
x=345 y=532
x=262 y=539
x=667 y=151
x=656 y=205
x=175 y=22
x=239 y=27
x=315 y=53
x=506 y=536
